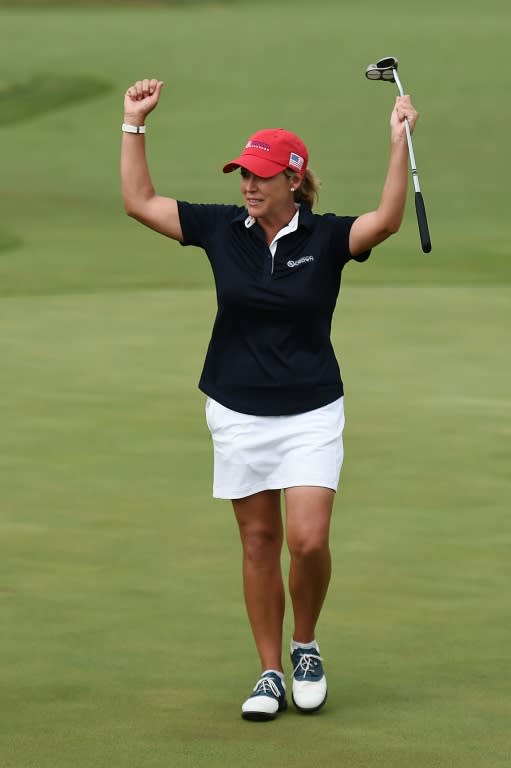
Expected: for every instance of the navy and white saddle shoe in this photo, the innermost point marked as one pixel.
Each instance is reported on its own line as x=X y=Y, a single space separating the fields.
x=267 y=699
x=309 y=681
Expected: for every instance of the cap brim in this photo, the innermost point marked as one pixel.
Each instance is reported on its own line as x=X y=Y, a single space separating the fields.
x=260 y=166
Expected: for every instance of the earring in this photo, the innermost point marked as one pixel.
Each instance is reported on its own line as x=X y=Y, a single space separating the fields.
x=292 y=189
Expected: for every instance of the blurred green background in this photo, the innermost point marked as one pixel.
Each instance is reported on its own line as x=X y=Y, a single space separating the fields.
x=124 y=640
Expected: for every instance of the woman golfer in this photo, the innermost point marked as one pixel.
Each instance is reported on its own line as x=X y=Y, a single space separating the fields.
x=274 y=391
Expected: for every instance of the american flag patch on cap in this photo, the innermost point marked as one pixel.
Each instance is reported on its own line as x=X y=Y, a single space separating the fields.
x=295 y=161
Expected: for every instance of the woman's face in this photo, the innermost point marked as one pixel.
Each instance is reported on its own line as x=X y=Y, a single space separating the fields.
x=266 y=198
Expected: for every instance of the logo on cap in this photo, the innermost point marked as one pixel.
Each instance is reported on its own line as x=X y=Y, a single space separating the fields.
x=254 y=144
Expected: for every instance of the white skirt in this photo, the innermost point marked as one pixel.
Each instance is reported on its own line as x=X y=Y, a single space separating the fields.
x=258 y=453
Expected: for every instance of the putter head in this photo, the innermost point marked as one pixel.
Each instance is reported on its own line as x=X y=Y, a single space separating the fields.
x=383 y=69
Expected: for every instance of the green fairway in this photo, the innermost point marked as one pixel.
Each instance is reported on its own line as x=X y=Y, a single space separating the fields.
x=124 y=640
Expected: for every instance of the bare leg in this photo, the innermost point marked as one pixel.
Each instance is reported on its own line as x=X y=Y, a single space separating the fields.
x=260 y=523
x=308 y=514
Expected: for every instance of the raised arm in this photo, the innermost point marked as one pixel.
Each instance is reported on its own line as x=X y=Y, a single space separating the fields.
x=140 y=199
x=374 y=227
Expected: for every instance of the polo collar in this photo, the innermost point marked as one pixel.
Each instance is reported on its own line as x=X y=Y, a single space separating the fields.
x=305 y=217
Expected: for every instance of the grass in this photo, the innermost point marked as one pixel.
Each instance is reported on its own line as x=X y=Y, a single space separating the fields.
x=125 y=641
x=122 y=573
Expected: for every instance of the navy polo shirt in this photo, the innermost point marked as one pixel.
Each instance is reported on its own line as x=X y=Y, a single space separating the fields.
x=270 y=352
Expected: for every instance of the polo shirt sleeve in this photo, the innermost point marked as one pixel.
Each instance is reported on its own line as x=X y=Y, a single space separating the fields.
x=196 y=220
x=342 y=230
x=199 y=221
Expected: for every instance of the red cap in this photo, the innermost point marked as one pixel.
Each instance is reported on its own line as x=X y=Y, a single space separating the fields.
x=271 y=151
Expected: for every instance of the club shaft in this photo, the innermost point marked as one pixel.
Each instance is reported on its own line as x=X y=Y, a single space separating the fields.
x=398 y=82
x=413 y=164
x=419 y=201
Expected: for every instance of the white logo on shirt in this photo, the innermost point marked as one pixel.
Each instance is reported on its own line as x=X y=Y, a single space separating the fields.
x=297 y=263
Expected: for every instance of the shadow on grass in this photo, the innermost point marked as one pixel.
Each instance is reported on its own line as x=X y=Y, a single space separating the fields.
x=8 y=241
x=44 y=93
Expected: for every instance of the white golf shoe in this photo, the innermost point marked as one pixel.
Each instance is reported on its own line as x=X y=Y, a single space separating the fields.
x=309 y=681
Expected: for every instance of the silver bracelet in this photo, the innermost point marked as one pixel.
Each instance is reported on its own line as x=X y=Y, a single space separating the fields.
x=127 y=128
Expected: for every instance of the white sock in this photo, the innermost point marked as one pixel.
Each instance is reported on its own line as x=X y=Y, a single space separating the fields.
x=295 y=645
x=275 y=672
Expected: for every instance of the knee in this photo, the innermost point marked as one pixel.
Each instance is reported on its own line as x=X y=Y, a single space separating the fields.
x=308 y=547
x=260 y=544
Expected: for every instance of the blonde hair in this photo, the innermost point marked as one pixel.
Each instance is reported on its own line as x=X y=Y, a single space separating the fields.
x=308 y=191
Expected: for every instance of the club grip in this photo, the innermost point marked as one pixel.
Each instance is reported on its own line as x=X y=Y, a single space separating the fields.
x=422 y=222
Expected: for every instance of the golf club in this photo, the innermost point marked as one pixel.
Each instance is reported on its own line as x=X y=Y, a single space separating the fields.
x=386 y=69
